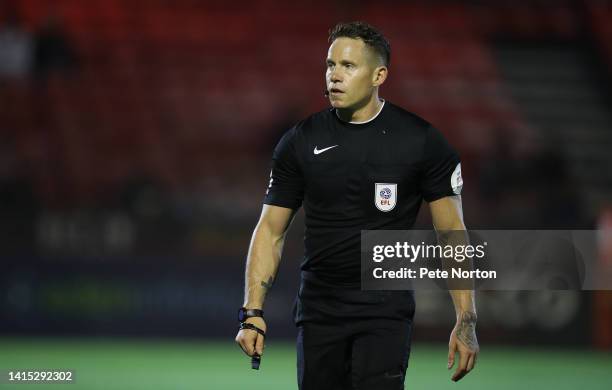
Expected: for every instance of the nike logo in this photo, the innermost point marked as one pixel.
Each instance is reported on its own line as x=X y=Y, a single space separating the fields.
x=319 y=151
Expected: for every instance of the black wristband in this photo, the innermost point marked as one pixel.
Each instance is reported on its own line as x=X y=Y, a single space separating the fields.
x=244 y=313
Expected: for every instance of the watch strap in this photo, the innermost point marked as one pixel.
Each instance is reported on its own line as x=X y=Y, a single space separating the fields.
x=248 y=313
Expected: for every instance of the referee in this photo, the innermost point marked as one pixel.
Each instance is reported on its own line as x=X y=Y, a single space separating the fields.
x=333 y=163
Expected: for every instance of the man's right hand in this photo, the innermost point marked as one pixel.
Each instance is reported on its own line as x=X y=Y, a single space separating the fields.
x=249 y=340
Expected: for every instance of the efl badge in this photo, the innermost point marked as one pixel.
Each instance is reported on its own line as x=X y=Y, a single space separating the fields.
x=385 y=196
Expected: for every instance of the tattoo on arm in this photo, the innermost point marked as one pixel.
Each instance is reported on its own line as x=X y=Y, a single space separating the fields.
x=466 y=330
x=267 y=285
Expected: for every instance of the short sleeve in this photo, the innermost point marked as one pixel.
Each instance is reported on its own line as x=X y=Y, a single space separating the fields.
x=286 y=187
x=441 y=169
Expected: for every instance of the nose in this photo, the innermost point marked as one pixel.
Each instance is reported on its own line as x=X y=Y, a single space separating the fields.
x=335 y=76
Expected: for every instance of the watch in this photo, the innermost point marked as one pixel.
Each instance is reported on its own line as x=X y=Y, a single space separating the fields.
x=245 y=313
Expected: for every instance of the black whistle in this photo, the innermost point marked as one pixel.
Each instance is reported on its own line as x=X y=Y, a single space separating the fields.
x=255 y=361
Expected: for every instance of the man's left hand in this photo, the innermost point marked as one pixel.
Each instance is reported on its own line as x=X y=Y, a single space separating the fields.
x=463 y=340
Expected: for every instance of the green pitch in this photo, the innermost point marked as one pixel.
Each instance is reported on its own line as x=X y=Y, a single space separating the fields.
x=139 y=365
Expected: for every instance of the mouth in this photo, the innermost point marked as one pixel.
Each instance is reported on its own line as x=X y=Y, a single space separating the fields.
x=335 y=91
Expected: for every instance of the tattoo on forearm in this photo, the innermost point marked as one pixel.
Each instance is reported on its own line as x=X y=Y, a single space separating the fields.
x=466 y=330
x=267 y=285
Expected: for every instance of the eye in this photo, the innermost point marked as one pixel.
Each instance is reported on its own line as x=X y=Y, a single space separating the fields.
x=349 y=66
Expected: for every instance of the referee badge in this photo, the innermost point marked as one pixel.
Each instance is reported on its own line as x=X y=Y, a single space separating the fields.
x=385 y=196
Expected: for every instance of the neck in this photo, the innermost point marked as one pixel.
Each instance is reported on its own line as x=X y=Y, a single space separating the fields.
x=362 y=113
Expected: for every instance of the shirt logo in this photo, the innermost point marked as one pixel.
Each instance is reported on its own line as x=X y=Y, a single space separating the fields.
x=319 y=151
x=385 y=196
x=457 y=180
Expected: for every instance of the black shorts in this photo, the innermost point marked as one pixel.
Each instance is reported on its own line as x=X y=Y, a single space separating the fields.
x=352 y=339
x=367 y=354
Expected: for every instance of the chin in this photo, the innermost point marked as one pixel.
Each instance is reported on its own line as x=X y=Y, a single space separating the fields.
x=337 y=103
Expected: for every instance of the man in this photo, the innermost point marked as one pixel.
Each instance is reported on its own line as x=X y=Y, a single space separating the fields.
x=331 y=163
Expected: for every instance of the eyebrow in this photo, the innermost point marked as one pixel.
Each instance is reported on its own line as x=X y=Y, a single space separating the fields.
x=342 y=62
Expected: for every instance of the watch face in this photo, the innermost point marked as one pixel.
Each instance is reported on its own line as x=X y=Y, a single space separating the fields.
x=241 y=315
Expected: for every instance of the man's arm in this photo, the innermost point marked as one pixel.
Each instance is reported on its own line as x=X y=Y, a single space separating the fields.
x=261 y=267
x=447 y=215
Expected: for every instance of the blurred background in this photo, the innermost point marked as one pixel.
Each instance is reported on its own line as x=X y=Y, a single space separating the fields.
x=135 y=138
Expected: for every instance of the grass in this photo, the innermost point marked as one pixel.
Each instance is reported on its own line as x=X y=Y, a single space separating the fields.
x=129 y=364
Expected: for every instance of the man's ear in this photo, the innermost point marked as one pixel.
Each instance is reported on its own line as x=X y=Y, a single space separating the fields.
x=379 y=76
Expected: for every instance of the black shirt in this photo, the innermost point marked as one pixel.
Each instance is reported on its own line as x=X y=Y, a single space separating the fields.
x=358 y=176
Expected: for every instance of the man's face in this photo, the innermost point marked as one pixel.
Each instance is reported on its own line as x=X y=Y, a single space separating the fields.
x=350 y=75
